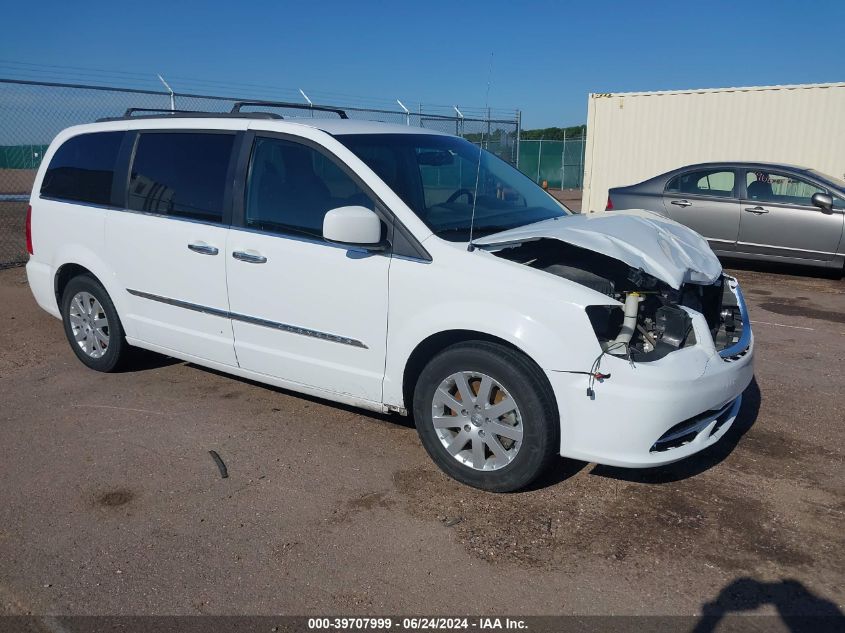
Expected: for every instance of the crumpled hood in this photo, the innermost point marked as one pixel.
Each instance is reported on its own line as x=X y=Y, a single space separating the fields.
x=643 y=239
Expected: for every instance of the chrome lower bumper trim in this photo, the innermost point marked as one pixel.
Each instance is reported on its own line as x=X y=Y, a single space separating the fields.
x=741 y=346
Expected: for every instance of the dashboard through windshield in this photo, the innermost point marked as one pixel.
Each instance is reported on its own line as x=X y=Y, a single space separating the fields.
x=441 y=178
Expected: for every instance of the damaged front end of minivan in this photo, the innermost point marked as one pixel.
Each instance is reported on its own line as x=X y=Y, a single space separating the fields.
x=648 y=319
x=656 y=272
x=674 y=349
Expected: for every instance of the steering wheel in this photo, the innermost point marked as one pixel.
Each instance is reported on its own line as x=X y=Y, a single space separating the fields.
x=458 y=194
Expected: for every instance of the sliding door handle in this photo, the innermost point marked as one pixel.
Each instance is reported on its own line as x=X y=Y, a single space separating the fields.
x=203 y=249
x=250 y=258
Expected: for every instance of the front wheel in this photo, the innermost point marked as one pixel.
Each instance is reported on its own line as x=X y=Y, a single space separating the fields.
x=486 y=416
x=92 y=326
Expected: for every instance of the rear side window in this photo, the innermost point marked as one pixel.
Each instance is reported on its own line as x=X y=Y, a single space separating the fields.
x=708 y=182
x=181 y=174
x=82 y=169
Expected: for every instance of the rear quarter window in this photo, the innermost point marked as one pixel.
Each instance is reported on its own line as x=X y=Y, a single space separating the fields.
x=82 y=169
x=718 y=183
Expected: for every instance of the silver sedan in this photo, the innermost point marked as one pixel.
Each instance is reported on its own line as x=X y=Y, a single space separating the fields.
x=759 y=211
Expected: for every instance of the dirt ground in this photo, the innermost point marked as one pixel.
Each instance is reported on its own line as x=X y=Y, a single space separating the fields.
x=111 y=504
x=16 y=180
x=12 y=232
x=570 y=197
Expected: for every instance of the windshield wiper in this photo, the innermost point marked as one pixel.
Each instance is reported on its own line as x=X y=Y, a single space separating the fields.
x=487 y=230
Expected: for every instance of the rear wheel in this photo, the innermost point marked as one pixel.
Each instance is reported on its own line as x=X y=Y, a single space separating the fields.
x=92 y=326
x=485 y=414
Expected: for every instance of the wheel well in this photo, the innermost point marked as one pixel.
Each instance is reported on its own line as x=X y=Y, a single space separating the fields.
x=433 y=345
x=64 y=275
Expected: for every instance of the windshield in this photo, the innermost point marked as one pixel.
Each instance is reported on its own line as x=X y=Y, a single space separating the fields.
x=436 y=177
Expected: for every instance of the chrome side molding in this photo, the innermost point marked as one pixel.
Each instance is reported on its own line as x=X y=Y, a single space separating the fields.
x=285 y=327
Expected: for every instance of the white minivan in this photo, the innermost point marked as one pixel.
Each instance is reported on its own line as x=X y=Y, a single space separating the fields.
x=395 y=269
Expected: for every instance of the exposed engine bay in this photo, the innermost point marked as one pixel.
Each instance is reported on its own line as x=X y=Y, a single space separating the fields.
x=652 y=321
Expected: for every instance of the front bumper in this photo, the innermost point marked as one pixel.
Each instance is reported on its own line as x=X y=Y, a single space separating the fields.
x=649 y=414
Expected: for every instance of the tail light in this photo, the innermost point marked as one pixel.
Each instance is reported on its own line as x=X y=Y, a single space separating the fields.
x=609 y=206
x=29 y=230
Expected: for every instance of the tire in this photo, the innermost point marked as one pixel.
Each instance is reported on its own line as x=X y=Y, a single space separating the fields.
x=92 y=326
x=498 y=377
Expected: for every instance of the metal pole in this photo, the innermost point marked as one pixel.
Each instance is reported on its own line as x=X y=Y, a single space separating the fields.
x=581 y=162
x=170 y=90
x=407 y=112
x=461 y=120
x=488 y=127
x=308 y=100
x=518 y=134
x=563 y=161
x=539 y=157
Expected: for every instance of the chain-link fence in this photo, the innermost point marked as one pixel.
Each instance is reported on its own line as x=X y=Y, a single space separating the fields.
x=32 y=113
x=559 y=163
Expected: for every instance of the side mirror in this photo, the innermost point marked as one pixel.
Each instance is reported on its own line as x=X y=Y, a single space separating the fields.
x=823 y=201
x=354 y=226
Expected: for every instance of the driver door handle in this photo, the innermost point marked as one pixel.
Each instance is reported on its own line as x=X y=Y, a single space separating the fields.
x=756 y=210
x=682 y=203
x=251 y=258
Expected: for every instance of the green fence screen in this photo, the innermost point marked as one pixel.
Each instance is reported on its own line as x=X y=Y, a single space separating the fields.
x=21 y=156
x=560 y=163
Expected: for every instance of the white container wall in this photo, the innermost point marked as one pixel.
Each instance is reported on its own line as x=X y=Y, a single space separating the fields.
x=634 y=136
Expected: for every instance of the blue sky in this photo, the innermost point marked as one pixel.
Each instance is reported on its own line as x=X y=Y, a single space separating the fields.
x=547 y=56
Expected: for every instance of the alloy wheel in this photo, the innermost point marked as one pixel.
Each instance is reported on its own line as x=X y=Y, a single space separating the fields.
x=89 y=324
x=477 y=420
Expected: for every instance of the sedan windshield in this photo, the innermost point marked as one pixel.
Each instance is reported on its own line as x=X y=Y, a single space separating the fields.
x=443 y=179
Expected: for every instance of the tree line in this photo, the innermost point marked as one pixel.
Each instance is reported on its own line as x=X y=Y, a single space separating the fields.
x=554 y=133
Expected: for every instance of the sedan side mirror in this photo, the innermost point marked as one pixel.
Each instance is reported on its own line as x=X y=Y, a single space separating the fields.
x=353 y=226
x=823 y=201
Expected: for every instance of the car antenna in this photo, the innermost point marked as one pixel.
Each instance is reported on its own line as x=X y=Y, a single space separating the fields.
x=471 y=246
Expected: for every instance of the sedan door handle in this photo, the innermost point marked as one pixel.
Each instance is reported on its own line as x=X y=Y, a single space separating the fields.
x=203 y=249
x=682 y=203
x=756 y=210
x=251 y=258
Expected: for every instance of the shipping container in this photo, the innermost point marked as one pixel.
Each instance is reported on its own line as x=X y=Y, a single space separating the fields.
x=634 y=136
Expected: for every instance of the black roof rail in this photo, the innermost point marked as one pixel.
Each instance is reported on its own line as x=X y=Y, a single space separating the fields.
x=130 y=111
x=163 y=113
x=284 y=104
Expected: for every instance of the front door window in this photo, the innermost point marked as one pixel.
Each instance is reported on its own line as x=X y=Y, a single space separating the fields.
x=772 y=187
x=291 y=187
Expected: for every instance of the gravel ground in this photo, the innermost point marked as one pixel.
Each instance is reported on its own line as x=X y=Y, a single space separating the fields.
x=12 y=233
x=111 y=504
x=570 y=197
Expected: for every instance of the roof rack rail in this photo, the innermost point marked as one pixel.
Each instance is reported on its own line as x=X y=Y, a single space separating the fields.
x=130 y=111
x=163 y=113
x=285 y=104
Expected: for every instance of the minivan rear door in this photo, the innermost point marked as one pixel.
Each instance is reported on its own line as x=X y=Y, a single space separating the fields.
x=168 y=247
